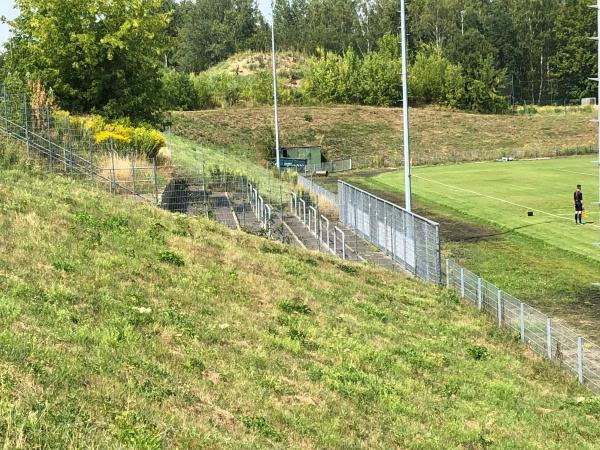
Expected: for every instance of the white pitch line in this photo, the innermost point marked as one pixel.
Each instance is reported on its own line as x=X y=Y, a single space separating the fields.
x=495 y=198
x=580 y=173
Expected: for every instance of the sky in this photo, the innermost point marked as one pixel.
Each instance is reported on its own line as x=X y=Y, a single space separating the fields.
x=6 y=9
x=265 y=9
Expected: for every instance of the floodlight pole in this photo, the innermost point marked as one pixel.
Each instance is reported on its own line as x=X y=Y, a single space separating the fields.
x=597 y=39
x=407 y=181
x=275 y=105
x=598 y=102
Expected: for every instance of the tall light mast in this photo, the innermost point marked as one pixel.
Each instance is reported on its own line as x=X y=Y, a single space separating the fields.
x=275 y=105
x=407 y=180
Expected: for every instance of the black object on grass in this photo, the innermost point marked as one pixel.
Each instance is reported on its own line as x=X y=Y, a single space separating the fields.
x=530 y=213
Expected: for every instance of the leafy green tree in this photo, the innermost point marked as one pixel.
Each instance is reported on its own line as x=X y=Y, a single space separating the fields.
x=483 y=90
x=178 y=91
x=575 y=59
x=333 y=25
x=469 y=50
x=213 y=30
x=434 y=79
x=381 y=74
x=97 y=55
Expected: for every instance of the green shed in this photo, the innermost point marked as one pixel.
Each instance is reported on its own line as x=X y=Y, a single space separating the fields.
x=312 y=155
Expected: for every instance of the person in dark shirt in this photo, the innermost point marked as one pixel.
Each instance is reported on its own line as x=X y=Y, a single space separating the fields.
x=578 y=199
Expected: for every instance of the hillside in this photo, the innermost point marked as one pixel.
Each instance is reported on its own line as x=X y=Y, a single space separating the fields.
x=373 y=136
x=250 y=63
x=126 y=327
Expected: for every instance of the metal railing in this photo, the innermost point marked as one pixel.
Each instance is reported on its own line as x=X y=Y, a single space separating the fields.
x=409 y=239
x=331 y=238
x=547 y=338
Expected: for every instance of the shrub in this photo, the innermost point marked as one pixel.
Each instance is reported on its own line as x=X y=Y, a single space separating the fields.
x=169 y=257
x=178 y=91
x=204 y=91
x=124 y=138
x=477 y=352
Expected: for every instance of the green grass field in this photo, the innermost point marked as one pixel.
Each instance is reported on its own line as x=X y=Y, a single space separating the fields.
x=124 y=326
x=503 y=193
x=546 y=260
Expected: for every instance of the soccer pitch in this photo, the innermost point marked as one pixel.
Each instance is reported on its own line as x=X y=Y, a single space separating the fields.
x=502 y=193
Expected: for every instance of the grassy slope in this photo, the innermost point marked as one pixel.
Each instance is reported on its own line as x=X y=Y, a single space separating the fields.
x=192 y=155
x=106 y=341
x=370 y=134
x=249 y=63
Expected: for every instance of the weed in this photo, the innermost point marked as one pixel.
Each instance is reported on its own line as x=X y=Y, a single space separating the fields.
x=294 y=306
x=270 y=247
x=477 y=352
x=63 y=265
x=170 y=257
x=262 y=426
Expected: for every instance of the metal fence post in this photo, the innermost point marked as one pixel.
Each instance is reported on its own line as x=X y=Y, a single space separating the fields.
x=113 y=184
x=50 y=150
x=133 y=174
x=90 y=164
x=155 y=181
x=479 y=294
x=26 y=118
x=462 y=282
x=549 y=337
x=580 y=359
x=70 y=146
x=5 y=99
x=447 y=273
x=522 y=322
x=499 y=308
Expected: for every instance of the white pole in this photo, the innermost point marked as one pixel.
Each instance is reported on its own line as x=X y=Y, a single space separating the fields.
x=275 y=105
x=407 y=183
x=598 y=102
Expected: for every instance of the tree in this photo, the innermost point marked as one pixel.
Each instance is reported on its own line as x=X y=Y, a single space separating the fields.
x=213 y=30
x=575 y=59
x=434 y=79
x=98 y=56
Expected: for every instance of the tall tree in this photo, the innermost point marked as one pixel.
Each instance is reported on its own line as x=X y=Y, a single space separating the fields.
x=97 y=55
x=213 y=30
x=575 y=58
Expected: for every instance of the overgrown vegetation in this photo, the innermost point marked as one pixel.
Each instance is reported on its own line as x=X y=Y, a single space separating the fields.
x=104 y=345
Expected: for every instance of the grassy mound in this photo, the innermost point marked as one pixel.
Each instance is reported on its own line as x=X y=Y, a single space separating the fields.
x=124 y=326
x=373 y=136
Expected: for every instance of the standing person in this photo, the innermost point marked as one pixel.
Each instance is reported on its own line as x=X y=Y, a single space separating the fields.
x=578 y=199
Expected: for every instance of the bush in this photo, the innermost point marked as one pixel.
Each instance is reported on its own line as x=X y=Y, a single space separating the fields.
x=178 y=91
x=433 y=79
x=124 y=138
x=169 y=257
x=204 y=91
x=265 y=144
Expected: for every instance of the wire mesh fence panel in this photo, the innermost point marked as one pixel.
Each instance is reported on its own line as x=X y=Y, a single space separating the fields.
x=547 y=338
x=591 y=366
x=409 y=239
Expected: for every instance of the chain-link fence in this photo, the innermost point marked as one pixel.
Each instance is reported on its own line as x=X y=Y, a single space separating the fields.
x=406 y=237
x=314 y=189
x=547 y=338
x=342 y=165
